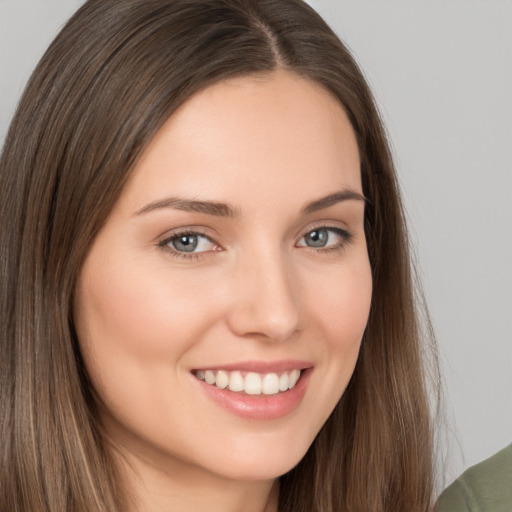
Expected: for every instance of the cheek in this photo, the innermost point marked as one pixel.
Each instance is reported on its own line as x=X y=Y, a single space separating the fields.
x=135 y=328
x=338 y=313
x=342 y=309
x=342 y=306
x=133 y=311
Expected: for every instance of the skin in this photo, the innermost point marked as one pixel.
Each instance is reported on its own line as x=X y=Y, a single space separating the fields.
x=146 y=315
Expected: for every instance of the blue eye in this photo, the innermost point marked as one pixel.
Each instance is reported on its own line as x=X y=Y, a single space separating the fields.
x=317 y=238
x=188 y=243
x=185 y=243
x=325 y=238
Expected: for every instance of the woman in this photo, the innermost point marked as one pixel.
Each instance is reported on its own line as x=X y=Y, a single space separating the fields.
x=207 y=296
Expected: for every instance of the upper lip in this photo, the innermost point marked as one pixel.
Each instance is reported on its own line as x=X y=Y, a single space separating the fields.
x=284 y=365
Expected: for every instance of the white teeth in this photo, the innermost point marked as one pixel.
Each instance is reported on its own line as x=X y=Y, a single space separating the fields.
x=222 y=380
x=293 y=378
x=283 y=382
x=236 y=382
x=209 y=377
x=270 y=385
x=253 y=383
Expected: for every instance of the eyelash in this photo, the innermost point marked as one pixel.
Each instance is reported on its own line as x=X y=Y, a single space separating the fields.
x=346 y=237
x=165 y=244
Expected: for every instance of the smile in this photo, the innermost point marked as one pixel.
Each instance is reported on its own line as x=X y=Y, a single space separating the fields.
x=255 y=390
x=251 y=383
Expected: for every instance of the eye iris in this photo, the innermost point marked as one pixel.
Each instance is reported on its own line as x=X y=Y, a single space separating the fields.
x=185 y=243
x=317 y=238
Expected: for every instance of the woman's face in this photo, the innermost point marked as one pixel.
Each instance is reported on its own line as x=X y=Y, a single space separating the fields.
x=234 y=259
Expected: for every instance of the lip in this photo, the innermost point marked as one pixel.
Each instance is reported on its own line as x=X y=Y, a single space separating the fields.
x=260 y=407
x=261 y=366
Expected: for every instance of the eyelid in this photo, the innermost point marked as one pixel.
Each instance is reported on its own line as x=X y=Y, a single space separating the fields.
x=346 y=235
x=166 y=239
x=324 y=224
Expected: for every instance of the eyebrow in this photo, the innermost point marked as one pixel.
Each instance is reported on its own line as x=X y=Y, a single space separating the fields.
x=332 y=199
x=190 y=205
x=226 y=210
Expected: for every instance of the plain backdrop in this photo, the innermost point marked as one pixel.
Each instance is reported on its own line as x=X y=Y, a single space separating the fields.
x=441 y=71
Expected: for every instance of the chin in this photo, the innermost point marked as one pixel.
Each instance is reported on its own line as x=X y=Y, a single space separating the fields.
x=263 y=461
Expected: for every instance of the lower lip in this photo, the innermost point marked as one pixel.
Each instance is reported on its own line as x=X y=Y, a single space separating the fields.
x=259 y=407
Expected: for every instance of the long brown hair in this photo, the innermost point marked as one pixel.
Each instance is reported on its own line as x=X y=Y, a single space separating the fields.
x=108 y=82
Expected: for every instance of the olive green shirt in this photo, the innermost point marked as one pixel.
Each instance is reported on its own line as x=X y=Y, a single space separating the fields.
x=486 y=487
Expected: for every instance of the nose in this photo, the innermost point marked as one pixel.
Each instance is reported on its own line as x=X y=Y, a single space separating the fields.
x=264 y=304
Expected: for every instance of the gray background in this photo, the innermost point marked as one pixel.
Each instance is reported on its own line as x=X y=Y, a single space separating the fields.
x=442 y=74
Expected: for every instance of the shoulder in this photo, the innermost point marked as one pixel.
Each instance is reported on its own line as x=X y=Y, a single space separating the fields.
x=486 y=487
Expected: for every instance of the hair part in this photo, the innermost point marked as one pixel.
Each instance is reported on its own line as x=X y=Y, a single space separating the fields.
x=108 y=82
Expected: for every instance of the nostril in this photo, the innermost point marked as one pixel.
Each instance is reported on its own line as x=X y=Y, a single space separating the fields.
x=271 y=326
x=264 y=303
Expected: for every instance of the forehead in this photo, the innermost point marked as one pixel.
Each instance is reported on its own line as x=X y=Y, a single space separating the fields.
x=261 y=133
